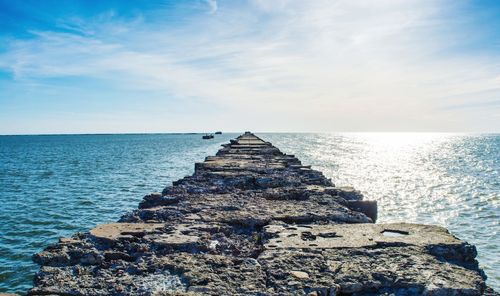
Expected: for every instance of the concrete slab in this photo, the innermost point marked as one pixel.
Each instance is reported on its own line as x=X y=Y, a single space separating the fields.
x=354 y=236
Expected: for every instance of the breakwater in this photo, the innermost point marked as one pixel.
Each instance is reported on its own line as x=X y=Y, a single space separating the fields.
x=254 y=221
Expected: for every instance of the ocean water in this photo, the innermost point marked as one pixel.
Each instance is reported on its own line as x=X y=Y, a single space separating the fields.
x=53 y=186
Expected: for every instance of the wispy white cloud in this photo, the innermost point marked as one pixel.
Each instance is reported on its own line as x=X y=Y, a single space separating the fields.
x=213 y=5
x=301 y=65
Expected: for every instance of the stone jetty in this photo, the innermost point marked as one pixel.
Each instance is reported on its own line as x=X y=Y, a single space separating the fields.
x=255 y=221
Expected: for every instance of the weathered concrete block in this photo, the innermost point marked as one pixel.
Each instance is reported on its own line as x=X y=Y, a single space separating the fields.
x=367 y=207
x=117 y=231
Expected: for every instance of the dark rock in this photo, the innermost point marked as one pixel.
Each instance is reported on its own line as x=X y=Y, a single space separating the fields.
x=367 y=207
x=157 y=199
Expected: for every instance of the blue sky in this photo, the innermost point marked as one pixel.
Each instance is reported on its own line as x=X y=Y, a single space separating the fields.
x=181 y=66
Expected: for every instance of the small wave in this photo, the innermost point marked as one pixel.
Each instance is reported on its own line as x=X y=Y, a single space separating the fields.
x=46 y=174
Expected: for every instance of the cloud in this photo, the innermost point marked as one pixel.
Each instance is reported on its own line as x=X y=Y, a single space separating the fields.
x=343 y=65
x=213 y=5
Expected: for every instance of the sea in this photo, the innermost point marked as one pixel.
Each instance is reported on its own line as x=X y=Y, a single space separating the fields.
x=54 y=185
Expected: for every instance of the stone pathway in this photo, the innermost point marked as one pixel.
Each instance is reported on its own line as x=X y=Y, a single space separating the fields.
x=254 y=221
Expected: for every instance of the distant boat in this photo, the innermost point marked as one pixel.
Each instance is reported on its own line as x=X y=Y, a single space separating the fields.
x=218 y=133
x=207 y=136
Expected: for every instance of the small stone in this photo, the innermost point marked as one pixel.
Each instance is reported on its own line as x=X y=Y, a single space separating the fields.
x=199 y=289
x=299 y=274
x=251 y=262
x=68 y=240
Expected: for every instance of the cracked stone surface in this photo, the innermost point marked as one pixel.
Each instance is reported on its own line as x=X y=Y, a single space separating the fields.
x=254 y=221
x=357 y=236
x=116 y=231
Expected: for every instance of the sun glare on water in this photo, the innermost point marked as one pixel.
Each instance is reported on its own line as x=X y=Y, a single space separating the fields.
x=404 y=172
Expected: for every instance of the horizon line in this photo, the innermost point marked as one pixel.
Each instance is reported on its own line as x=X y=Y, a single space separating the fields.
x=238 y=132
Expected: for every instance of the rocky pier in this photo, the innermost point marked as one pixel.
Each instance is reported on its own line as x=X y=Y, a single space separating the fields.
x=255 y=221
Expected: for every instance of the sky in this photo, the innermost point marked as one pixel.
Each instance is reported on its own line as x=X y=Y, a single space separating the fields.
x=285 y=66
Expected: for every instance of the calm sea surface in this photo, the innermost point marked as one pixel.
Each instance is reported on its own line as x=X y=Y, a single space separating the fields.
x=52 y=186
